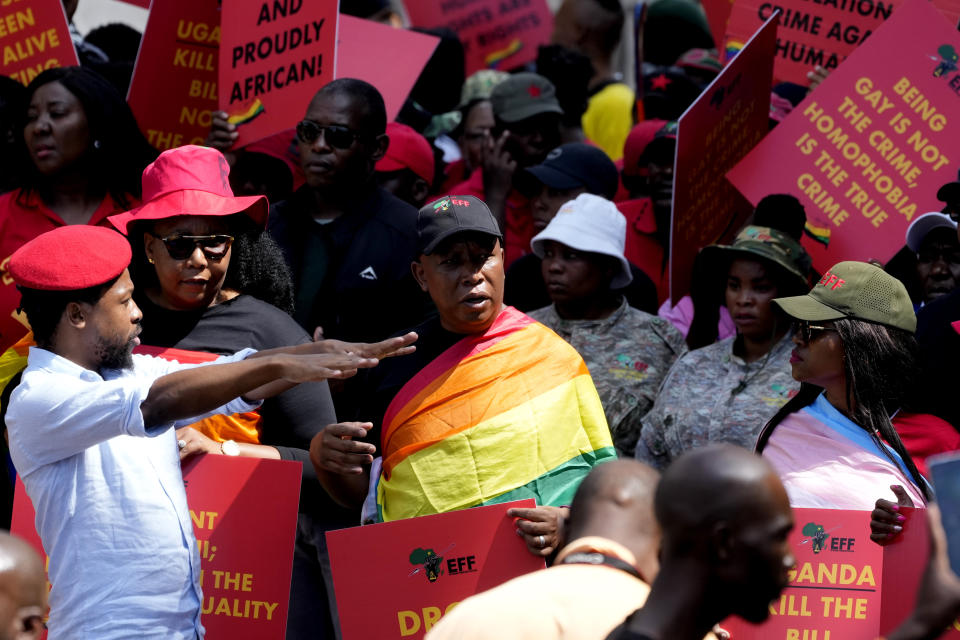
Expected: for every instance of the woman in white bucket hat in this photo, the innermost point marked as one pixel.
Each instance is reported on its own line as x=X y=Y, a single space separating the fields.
x=627 y=350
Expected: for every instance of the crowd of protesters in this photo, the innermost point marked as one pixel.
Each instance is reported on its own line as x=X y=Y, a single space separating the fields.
x=467 y=306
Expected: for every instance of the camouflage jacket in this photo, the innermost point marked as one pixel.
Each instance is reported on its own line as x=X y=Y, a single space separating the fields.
x=628 y=355
x=697 y=406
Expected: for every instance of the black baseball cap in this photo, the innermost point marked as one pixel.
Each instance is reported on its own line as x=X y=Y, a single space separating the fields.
x=575 y=165
x=450 y=215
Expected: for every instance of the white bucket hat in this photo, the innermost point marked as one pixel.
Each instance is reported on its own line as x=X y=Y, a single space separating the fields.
x=592 y=224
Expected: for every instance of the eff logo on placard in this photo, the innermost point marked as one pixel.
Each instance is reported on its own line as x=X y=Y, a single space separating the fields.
x=431 y=563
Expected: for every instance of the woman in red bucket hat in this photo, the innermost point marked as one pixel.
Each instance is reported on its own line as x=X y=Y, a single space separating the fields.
x=211 y=281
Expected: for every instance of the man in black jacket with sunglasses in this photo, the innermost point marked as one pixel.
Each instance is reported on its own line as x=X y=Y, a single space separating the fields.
x=347 y=241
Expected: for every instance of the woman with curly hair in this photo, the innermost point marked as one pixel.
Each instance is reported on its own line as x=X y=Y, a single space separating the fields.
x=833 y=444
x=210 y=280
x=80 y=156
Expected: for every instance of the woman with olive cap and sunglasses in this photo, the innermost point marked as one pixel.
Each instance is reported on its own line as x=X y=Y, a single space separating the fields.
x=833 y=444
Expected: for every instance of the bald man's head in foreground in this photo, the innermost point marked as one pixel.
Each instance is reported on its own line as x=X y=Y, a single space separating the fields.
x=615 y=501
x=724 y=508
x=23 y=590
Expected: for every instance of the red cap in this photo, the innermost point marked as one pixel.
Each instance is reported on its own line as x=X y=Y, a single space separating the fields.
x=190 y=181
x=637 y=140
x=407 y=150
x=70 y=258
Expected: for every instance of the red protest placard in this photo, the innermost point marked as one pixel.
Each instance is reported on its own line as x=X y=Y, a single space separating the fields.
x=174 y=84
x=844 y=586
x=718 y=12
x=866 y=152
x=496 y=34
x=396 y=580
x=244 y=513
x=835 y=587
x=389 y=59
x=34 y=36
x=274 y=55
x=713 y=134
x=815 y=33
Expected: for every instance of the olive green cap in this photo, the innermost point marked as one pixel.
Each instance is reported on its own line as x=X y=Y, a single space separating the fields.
x=855 y=290
x=767 y=243
x=522 y=96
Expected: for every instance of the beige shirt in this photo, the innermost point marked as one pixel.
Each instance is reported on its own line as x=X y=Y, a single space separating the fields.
x=566 y=601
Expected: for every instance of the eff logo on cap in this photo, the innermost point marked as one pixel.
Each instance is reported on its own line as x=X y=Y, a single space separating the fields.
x=833 y=279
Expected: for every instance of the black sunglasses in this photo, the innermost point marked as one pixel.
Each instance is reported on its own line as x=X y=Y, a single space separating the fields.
x=809 y=332
x=214 y=247
x=337 y=136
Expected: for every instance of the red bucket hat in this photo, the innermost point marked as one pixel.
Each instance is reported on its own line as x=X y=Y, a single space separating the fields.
x=190 y=181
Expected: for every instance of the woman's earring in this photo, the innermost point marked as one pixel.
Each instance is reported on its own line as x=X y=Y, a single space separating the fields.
x=150 y=260
x=96 y=144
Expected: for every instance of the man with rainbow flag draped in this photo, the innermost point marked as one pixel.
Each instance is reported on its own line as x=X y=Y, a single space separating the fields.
x=493 y=406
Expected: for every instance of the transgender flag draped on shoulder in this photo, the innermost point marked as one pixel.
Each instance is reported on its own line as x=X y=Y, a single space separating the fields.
x=505 y=415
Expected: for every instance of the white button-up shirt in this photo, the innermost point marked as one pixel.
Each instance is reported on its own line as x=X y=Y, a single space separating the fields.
x=111 y=507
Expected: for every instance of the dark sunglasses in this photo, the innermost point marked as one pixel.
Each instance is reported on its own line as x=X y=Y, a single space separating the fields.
x=809 y=332
x=214 y=247
x=337 y=136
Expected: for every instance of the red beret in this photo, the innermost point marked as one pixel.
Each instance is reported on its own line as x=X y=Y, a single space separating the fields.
x=70 y=258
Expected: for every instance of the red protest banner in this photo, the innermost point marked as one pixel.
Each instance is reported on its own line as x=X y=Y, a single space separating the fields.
x=34 y=36
x=179 y=46
x=718 y=12
x=866 y=152
x=713 y=134
x=423 y=567
x=496 y=34
x=274 y=55
x=244 y=513
x=844 y=586
x=389 y=59
x=815 y=33
x=835 y=586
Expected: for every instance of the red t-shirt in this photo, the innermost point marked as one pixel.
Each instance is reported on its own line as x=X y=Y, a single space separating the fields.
x=519 y=231
x=924 y=435
x=18 y=225
x=642 y=248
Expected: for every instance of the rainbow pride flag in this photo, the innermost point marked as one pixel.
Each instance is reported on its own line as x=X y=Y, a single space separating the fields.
x=13 y=361
x=505 y=415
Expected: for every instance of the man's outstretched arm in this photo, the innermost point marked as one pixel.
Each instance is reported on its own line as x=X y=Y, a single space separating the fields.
x=196 y=391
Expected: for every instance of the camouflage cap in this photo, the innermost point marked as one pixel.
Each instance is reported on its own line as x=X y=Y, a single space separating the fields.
x=767 y=243
x=855 y=290
x=480 y=85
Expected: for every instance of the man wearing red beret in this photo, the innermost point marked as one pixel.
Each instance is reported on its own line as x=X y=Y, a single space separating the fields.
x=92 y=435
